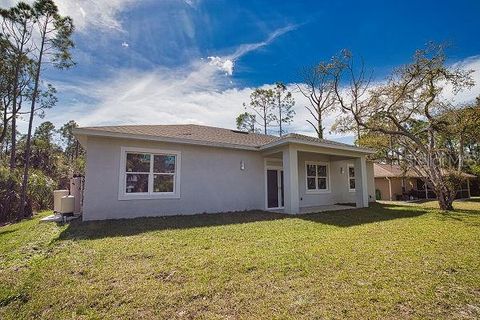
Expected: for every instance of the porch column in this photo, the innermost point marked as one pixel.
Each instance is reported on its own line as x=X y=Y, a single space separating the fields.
x=290 y=171
x=361 y=185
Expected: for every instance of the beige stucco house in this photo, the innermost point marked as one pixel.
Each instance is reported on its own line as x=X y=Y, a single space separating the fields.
x=154 y=170
x=393 y=182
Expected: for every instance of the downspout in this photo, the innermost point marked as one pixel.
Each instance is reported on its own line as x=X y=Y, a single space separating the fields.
x=389 y=188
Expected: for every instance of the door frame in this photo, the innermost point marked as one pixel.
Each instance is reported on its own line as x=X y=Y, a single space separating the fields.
x=279 y=169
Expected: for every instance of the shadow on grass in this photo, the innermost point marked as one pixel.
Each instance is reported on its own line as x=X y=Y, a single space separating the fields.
x=467 y=216
x=127 y=227
x=377 y=212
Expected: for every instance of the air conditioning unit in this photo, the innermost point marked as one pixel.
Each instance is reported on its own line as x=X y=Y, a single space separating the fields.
x=57 y=198
x=67 y=205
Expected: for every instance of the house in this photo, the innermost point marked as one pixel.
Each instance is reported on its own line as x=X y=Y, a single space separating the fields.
x=392 y=182
x=153 y=170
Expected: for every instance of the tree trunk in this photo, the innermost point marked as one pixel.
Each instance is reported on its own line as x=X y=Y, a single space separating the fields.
x=13 y=138
x=280 y=115
x=461 y=154
x=445 y=201
x=13 y=148
x=320 y=126
x=265 y=120
x=5 y=124
x=23 y=195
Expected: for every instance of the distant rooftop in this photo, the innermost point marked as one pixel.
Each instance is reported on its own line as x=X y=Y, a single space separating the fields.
x=382 y=170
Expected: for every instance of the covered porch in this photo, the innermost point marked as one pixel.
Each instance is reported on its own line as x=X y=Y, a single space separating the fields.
x=308 y=178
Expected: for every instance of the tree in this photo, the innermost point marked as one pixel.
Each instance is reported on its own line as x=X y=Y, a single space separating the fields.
x=45 y=154
x=317 y=86
x=283 y=103
x=15 y=36
x=406 y=106
x=462 y=130
x=262 y=103
x=45 y=131
x=53 y=45
x=246 y=122
x=72 y=147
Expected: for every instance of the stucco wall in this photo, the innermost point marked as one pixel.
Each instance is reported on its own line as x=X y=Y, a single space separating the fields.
x=339 y=191
x=211 y=181
x=371 y=182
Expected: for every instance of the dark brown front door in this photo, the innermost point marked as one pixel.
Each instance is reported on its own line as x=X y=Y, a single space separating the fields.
x=272 y=188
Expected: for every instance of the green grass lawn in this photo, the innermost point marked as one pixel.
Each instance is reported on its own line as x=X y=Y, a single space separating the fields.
x=390 y=261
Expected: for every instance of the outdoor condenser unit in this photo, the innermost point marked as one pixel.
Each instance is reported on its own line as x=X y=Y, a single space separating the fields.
x=57 y=199
x=67 y=205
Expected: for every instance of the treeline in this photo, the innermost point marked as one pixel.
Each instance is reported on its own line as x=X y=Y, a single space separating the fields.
x=55 y=157
x=33 y=37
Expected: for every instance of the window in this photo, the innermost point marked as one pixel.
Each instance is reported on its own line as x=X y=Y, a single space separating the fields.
x=147 y=173
x=351 y=178
x=317 y=176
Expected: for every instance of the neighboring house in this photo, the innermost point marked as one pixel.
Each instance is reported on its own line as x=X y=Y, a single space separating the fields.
x=154 y=170
x=394 y=183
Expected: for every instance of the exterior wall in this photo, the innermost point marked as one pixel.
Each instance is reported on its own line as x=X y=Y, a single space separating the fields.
x=371 y=181
x=339 y=190
x=382 y=185
x=211 y=181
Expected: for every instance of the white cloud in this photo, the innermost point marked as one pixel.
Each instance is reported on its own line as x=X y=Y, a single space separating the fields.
x=99 y=14
x=226 y=63
x=157 y=97
x=465 y=96
x=223 y=64
x=248 y=47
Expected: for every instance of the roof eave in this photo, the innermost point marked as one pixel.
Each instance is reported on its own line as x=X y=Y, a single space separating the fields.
x=315 y=144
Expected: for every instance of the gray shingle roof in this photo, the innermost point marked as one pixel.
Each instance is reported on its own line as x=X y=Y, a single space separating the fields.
x=205 y=134
x=191 y=132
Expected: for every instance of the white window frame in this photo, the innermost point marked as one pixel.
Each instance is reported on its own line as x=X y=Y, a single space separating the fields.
x=348 y=177
x=122 y=180
x=316 y=190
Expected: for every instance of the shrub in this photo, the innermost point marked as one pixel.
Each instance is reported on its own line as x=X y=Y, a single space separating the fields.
x=39 y=193
x=40 y=190
x=10 y=196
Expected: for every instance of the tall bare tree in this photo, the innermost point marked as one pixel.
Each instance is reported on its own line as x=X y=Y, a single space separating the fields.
x=406 y=106
x=317 y=86
x=283 y=103
x=53 y=43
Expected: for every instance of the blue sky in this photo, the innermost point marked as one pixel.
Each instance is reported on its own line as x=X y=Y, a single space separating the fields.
x=177 y=61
